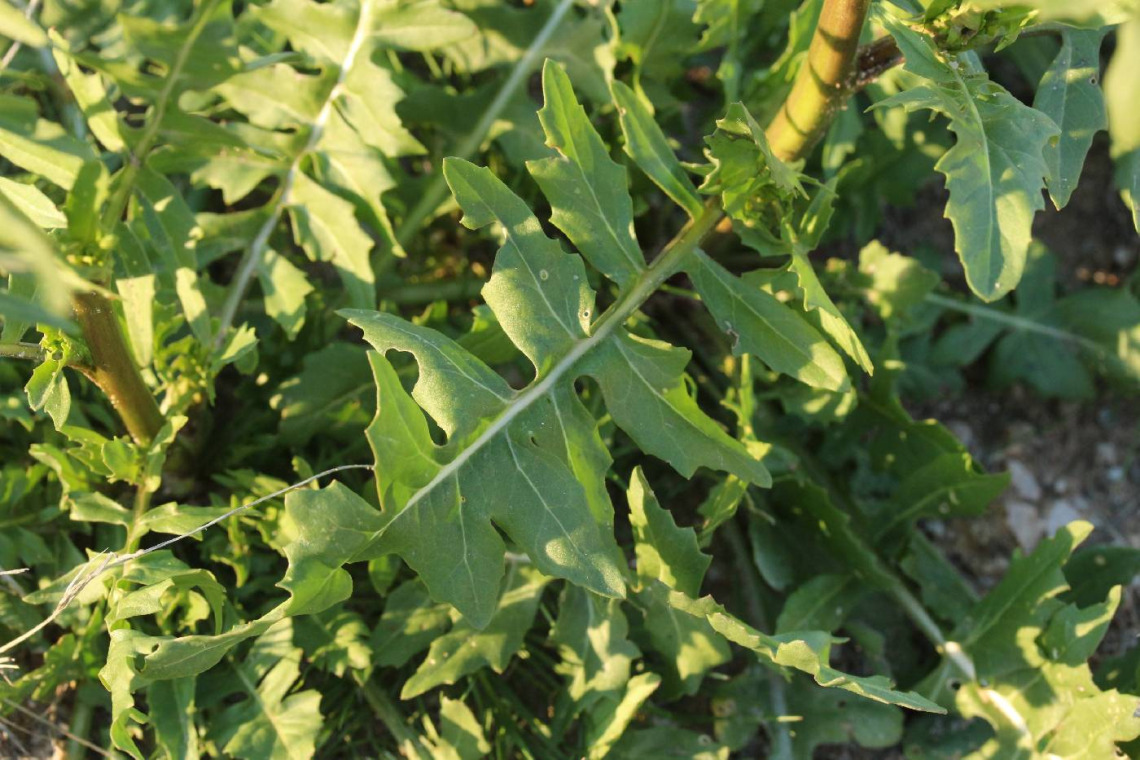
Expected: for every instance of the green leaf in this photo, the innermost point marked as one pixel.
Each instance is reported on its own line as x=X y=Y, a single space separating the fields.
x=462 y=736
x=591 y=634
x=1122 y=94
x=16 y=26
x=31 y=201
x=831 y=320
x=657 y=36
x=646 y=392
x=48 y=392
x=727 y=26
x=947 y=485
x=270 y=722
x=1027 y=652
x=614 y=714
x=805 y=652
x=337 y=404
x=325 y=226
x=996 y=169
x=284 y=287
x=39 y=146
x=665 y=552
x=509 y=481
x=667 y=741
x=647 y=145
x=745 y=172
x=91 y=95
x=897 y=283
x=411 y=621
x=820 y=604
x=137 y=296
x=1069 y=93
x=172 y=715
x=761 y=325
x=587 y=191
x=465 y=649
x=420 y=25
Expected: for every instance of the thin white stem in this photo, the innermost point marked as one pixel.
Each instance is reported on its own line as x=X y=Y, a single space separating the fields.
x=252 y=258
x=430 y=199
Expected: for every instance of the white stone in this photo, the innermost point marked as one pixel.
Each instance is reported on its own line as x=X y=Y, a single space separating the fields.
x=1025 y=523
x=1024 y=481
x=1063 y=512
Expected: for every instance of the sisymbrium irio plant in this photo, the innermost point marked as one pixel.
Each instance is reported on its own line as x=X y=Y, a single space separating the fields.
x=622 y=469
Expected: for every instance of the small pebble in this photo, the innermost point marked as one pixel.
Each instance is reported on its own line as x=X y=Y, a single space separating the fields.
x=1063 y=512
x=963 y=432
x=1115 y=474
x=1024 y=481
x=1106 y=453
x=1025 y=523
x=1123 y=255
x=1061 y=485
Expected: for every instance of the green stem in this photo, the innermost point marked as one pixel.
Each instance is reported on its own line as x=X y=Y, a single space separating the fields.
x=113 y=368
x=150 y=132
x=389 y=714
x=27 y=351
x=823 y=82
x=253 y=255
x=77 y=731
x=142 y=504
x=436 y=190
x=1016 y=322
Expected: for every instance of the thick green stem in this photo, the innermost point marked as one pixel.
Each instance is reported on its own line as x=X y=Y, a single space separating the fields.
x=114 y=370
x=824 y=80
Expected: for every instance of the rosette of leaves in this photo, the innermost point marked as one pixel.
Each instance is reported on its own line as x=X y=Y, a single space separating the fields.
x=539 y=446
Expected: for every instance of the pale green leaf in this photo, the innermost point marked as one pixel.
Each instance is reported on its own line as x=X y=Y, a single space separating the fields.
x=284 y=288
x=996 y=169
x=465 y=649
x=591 y=634
x=40 y=146
x=462 y=735
x=1122 y=98
x=614 y=714
x=31 y=201
x=1069 y=93
x=16 y=26
x=647 y=145
x=325 y=226
x=759 y=324
x=420 y=25
x=588 y=192
x=137 y=296
x=665 y=552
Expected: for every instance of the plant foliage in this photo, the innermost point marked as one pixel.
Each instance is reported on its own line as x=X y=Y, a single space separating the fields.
x=643 y=476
